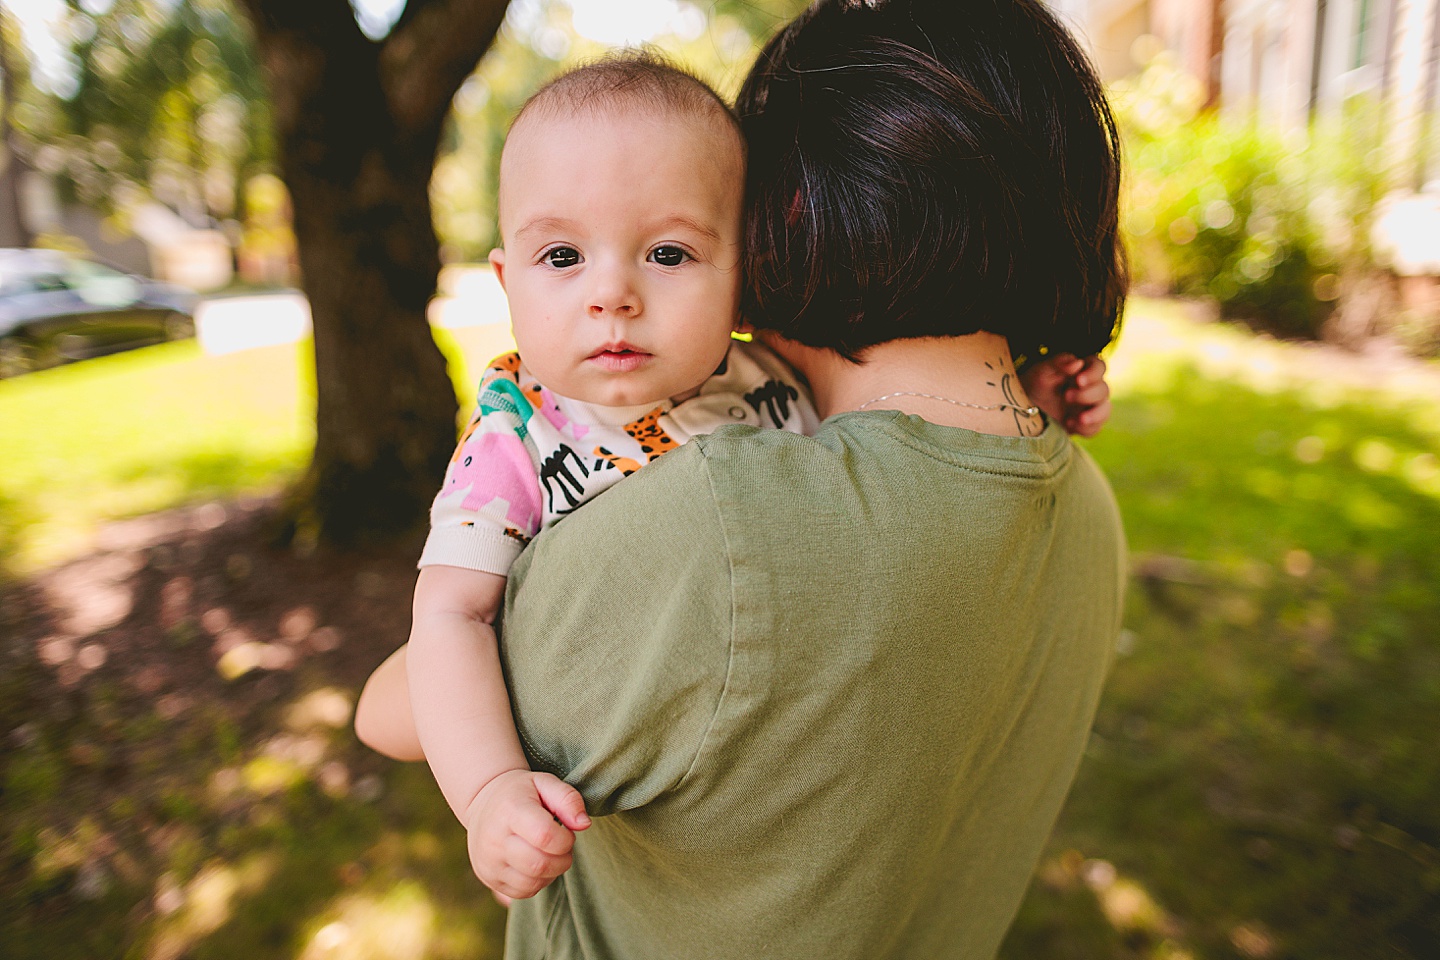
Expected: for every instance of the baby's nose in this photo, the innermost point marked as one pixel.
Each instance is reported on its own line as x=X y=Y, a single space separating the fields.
x=614 y=293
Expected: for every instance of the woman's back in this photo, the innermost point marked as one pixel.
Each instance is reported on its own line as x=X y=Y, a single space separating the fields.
x=844 y=684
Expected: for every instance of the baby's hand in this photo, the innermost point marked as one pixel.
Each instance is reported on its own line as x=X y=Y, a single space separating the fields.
x=1071 y=391
x=516 y=844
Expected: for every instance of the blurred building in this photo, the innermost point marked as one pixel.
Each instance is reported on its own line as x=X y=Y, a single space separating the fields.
x=1293 y=61
x=158 y=243
x=1122 y=35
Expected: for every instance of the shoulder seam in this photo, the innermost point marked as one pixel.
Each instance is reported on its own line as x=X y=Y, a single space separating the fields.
x=699 y=445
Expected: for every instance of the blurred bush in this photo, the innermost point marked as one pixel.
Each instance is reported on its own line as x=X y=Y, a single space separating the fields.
x=1273 y=225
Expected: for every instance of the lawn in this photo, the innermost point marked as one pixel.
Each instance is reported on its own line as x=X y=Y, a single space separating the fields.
x=1262 y=781
x=150 y=429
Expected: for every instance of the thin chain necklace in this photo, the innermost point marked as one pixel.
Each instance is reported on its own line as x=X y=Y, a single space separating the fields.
x=1024 y=411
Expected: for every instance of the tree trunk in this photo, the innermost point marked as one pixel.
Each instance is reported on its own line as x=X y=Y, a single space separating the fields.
x=358 y=124
x=385 y=411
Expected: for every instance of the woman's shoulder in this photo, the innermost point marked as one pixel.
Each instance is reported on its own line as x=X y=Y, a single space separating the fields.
x=661 y=511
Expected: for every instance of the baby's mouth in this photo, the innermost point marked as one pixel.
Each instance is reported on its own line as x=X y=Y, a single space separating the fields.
x=620 y=357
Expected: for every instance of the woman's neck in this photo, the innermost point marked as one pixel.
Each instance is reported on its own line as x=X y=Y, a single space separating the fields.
x=935 y=378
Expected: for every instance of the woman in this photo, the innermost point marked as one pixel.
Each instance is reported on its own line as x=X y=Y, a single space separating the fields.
x=824 y=696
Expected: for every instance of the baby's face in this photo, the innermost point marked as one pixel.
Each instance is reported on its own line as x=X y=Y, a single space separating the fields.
x=622 y=250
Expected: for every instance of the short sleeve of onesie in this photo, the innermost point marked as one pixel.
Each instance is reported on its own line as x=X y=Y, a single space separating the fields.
x=489 y=506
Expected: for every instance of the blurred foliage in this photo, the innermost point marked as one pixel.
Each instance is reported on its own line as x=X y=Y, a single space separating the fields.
x=17 y=58
x=163 y=99
x=1274 y=226
x=267 y=250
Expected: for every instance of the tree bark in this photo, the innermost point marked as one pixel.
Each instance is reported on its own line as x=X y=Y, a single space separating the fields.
x=15 y=233
x=358 y=125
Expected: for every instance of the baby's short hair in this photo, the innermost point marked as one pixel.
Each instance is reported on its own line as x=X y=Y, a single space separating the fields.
x=630 y=78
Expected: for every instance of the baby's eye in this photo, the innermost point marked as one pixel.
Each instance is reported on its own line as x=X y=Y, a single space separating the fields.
x=561 y=257
x=669 y=255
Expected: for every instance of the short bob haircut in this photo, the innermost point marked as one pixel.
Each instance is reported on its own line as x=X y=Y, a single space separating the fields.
x=923 y=168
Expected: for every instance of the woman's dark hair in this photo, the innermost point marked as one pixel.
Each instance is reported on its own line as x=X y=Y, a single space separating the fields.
x=931 y=168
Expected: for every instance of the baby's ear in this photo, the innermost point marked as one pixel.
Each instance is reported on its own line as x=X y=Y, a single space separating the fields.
x=497 y=263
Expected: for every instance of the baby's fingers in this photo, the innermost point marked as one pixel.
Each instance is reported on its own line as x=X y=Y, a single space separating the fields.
x=536 y=827
x=562 y=800
x=1090 y=371
x=527 y=871
x=527 y=861
x=1067 y=364
x=1088 y=424
x=1088 y=395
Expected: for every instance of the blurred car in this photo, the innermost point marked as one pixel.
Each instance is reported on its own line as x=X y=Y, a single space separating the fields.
x=56 y=307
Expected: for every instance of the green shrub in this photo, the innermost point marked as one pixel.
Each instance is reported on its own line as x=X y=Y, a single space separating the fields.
x=1264 y=222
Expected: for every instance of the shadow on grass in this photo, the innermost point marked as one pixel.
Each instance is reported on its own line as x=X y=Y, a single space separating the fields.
x=180 y=778
x=1262 y=777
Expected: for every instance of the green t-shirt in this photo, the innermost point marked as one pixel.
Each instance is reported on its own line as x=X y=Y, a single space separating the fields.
x=824 y=695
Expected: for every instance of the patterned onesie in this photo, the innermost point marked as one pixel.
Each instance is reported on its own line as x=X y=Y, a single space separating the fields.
x=530 y=456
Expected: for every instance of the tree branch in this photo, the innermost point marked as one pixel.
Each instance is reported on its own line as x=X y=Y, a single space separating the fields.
x=304 y=46
x=326 y=23
x=435 y=45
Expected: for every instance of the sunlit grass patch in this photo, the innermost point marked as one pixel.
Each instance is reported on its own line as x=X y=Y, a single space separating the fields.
x=164 y=426
x=395 y=924
x=142 y=431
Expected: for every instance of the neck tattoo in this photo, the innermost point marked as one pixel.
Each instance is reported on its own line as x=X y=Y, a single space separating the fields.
x=1023 y=411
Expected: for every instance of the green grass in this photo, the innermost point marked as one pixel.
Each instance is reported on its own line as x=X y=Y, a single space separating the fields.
x=1261 y=783
x=141 y=431
x=266 y=849
x=150 y=429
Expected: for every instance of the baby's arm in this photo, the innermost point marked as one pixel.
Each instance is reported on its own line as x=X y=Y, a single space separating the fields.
x=1071 y=391
x=519 y=822
x=384 y=721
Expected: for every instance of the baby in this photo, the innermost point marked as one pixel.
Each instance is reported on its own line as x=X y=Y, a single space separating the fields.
x=621 y=196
